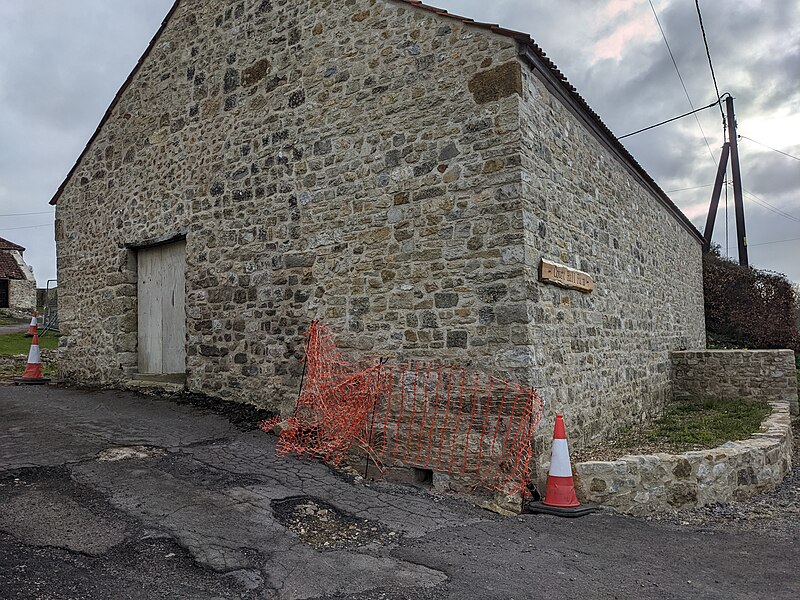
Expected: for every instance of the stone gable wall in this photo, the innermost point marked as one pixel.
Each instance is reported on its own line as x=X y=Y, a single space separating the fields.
x=21 y=292
x=326 y=160
x=602 y=358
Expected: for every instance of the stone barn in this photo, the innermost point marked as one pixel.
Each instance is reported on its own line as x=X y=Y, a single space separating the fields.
x=17 y=283
x=428 y=186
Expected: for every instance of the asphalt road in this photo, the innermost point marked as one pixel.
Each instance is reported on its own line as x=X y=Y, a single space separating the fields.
x=115 y=495
x=13 y=328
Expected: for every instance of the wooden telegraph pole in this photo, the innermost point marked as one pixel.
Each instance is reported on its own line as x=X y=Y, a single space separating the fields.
x=731 y=148
x=712 y=211
x=741 y=235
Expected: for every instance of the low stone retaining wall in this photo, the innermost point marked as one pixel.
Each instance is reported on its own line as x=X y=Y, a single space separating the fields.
x=13 y=366
x=641 y=485
x=758 y=375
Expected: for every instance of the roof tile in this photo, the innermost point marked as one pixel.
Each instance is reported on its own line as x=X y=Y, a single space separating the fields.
x=9 y=269
x=7 y=245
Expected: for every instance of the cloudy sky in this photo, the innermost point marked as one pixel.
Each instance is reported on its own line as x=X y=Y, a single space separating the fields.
x=62 y=61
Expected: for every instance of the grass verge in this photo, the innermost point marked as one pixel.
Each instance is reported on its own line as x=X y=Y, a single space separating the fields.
x=17 y=343
x=690 y=425
x=708 y=423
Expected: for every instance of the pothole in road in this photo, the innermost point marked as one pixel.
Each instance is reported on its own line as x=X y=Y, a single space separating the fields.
x=130 y=452
x=324 y=527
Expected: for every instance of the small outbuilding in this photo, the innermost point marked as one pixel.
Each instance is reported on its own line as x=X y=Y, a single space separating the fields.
x=430 y=187
x=17 y=283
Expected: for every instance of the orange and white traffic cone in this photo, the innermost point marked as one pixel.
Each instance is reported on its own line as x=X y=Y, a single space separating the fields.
x=560 y=491
x=33 y=370
x=33 y=328
x=559 y=497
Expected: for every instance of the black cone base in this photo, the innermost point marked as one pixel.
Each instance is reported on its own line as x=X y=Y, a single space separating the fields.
x=23 y=381
x=541 y=508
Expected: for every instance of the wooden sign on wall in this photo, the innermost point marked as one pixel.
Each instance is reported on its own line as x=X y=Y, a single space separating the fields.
x=564 y=276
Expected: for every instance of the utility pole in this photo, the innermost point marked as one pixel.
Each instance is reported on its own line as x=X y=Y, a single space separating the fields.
x=741 y=235
x=731 y=148
x=712 y=211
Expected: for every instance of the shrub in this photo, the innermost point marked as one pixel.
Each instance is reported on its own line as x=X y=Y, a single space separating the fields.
x=746 y=307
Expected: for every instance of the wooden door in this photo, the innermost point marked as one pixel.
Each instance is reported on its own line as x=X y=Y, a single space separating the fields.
x=3 y=293
x=162 y=312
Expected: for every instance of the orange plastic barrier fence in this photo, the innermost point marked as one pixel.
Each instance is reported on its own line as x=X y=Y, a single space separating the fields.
x=437 y=417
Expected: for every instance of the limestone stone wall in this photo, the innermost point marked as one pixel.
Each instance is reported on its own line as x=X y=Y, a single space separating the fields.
x=393 y=172
x=325 y=160
x=602 y=358
x=735 y=471
x=22 y=294
x=760 y=375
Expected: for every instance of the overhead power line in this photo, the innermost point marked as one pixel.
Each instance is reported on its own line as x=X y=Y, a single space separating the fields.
x=691 y=112
x=44 y=212
x=775 y=242
x=771 y=207
x=26 y=227
x=683 y=85
x=744 y=137
x=708 y=54
x=696 y=187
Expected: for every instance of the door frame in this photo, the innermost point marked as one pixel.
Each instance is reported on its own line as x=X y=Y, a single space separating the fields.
x=147 y=244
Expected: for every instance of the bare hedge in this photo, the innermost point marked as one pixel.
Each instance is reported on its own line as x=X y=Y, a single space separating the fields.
x=749 y=308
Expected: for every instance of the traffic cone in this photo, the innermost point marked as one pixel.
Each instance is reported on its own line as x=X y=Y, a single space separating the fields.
x=33 y=370
x=33 y=328
x=560 y=491
x=559 y=497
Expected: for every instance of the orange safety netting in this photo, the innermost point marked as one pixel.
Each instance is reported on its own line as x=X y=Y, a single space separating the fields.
x=442 y=418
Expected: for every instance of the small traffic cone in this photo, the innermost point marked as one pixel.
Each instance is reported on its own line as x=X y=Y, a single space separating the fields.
x=560 y=498
x=33 y=370
x=33 y=328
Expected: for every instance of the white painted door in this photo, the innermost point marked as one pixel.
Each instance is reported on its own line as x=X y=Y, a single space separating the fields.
x=162 y=313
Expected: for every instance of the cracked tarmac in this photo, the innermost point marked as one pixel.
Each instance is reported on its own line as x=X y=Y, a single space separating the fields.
x=115 y=495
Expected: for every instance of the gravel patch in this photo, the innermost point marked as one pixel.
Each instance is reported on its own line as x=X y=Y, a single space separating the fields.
x=245 y=417
x=324 y=527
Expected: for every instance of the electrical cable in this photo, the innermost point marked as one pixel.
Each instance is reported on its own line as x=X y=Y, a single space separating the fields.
x=770 y=207
x=26 y=227
x=697 y=187
x=775 y=242
x=46 y=212
x=691 y=112
x=744 y=137
x=680 y=77
x=708 y=54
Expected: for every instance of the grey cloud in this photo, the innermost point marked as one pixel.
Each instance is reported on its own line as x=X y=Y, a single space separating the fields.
x=769 y=174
